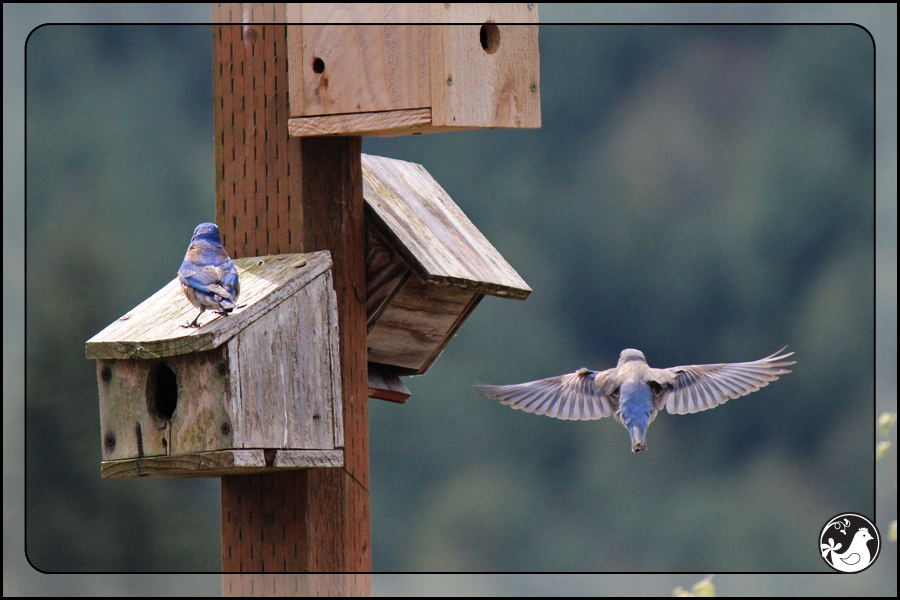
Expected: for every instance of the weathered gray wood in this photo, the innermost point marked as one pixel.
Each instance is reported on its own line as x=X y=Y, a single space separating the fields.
x=299 y=459
x=284 y=362
x=222 y=462
x=337 y=403
x=419 y=322
x=385 y=274
x=153 y=329
x=128 y=429
x=439 y=243
x=200 y=422
x=385 y=384
x=275 y=384
x=427 y=266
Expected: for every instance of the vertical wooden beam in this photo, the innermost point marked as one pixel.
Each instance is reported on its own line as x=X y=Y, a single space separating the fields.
x=276 y=194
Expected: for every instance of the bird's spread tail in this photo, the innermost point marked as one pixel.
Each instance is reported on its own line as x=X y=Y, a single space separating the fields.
x=638 y=443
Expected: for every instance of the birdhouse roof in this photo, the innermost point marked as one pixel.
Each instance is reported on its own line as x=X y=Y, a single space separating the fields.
x=154 y=328
x=437 y=241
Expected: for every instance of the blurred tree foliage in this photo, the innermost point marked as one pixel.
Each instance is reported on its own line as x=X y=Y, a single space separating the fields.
x=703 y=193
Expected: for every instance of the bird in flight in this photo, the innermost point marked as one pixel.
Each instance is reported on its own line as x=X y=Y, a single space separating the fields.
x=633 y=392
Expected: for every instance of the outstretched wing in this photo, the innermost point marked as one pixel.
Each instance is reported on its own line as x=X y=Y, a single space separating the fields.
x=574 y=396
x=700 y=387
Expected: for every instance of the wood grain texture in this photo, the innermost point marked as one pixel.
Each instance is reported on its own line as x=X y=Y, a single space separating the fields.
x=319 y=521
x=253 y=205
x=302 y=585
x=285 y=367
x=122 y=423
x=331 y=173
x=264 y=524
x=337 y=408
x=427 y=267
x=153 y=329
x=202 y=422
x=419 y=322
x=334 y=219
x=386 y=272
x=401 y=69
x=370 y=69
x=475 y=87
x=385 y=384
x=220 y=463
x=377 y=124
x=358 y=58
x=420 y=220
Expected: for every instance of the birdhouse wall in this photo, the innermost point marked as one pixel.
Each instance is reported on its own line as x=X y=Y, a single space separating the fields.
x=286 y=373
x=386 y=272
x=389 y=77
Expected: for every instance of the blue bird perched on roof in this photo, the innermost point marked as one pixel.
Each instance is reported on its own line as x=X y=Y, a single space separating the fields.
x=208 y=277
x=634 y=392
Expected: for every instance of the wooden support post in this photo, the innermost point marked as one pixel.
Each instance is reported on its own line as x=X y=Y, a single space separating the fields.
x=276 y=194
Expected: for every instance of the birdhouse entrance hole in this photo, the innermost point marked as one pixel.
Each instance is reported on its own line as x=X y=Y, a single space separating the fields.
x=490 y=37
x=162 y=391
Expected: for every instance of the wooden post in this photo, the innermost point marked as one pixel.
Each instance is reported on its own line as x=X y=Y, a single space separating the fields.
x=276 y=194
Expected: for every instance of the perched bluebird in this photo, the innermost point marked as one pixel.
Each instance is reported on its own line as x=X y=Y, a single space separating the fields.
x=207 y=275
x=634 y=392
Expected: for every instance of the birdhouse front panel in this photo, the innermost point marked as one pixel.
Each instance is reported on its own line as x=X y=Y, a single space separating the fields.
x=204 y=423
x=138 y=399
x=361 y=68
x=486 y=74
x=256 y=389
x=401 y=69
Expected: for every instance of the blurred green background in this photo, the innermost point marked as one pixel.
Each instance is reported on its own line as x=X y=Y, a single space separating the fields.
x=703 y=193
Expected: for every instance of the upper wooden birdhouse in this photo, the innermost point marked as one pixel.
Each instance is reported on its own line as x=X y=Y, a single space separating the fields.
x=427 y=266
x=256 y=390
x=390 y=78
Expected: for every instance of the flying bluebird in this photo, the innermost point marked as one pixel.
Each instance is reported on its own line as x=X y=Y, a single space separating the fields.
x=634 y=392
x=207 y=275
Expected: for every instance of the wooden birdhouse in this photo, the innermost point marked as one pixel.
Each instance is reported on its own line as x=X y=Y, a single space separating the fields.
x=256 y=390
x=411 y=68
x=427 y=267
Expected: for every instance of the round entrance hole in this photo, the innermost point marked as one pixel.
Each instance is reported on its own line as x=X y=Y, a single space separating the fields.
x=162 y=391
x=490 y=37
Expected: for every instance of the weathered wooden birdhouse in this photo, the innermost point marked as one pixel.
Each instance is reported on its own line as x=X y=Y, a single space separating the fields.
x=256 y=390
x=427 y=267
x=389 y=77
